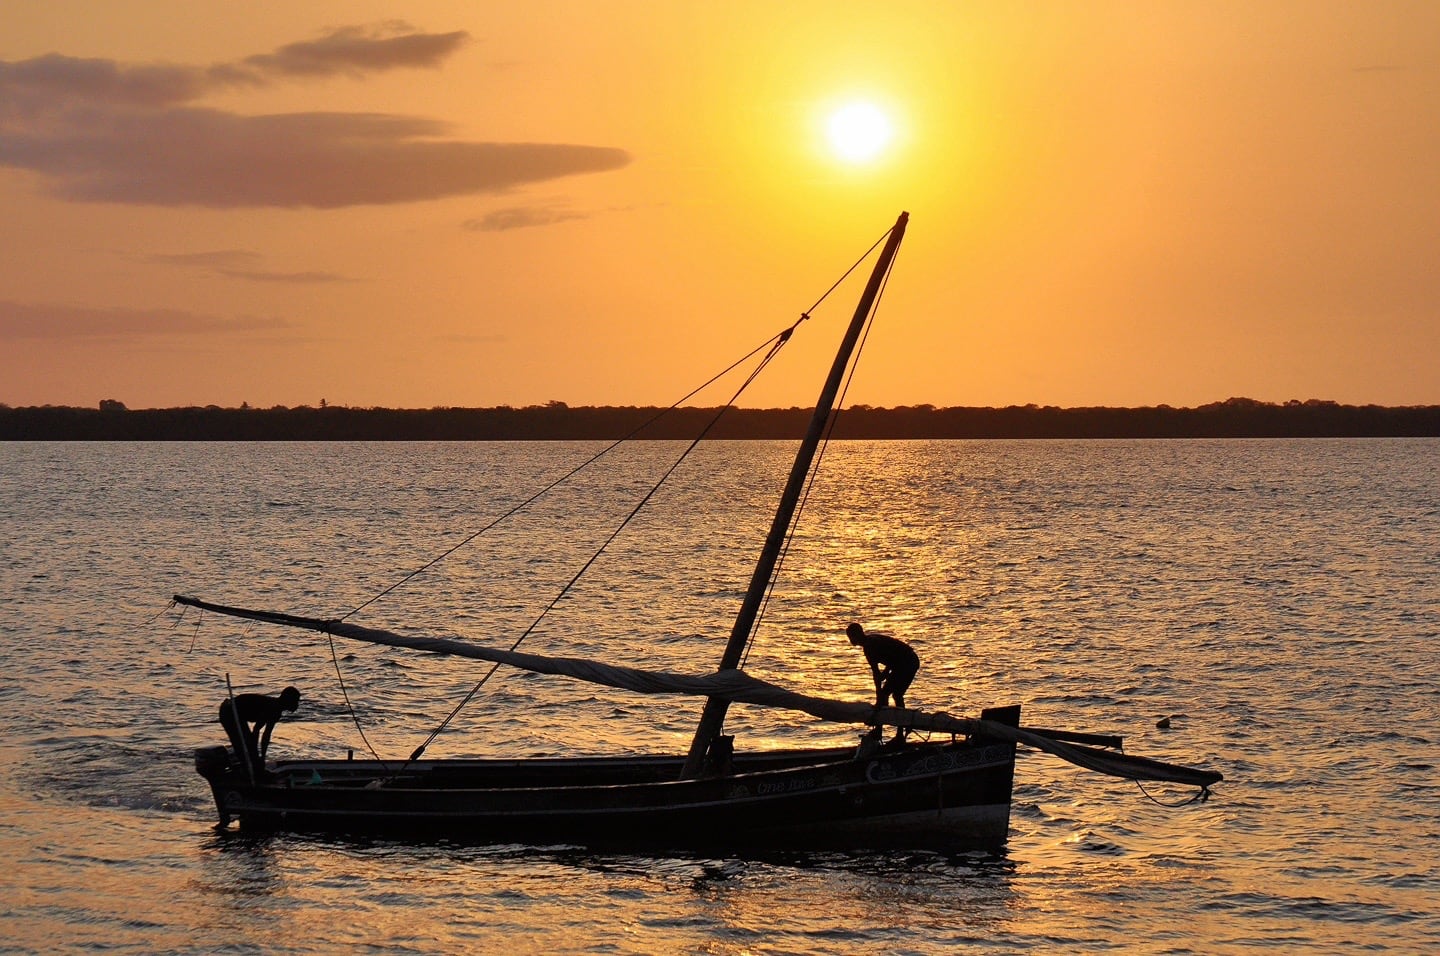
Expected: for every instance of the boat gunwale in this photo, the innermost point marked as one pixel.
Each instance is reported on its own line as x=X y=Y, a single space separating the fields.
x=286 y=775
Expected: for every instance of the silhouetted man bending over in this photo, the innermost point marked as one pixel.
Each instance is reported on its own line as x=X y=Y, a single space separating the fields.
x=893 y=665
x=250 y=718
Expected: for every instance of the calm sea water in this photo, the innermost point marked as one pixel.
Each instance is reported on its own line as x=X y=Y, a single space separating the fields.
x=1277 y=600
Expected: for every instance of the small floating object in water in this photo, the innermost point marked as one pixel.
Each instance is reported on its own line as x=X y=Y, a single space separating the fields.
x=1163 y=723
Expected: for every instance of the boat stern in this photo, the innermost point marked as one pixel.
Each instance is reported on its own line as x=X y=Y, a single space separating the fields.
x=213 y=763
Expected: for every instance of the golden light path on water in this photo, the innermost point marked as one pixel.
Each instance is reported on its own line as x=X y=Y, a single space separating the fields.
x=1275 y=600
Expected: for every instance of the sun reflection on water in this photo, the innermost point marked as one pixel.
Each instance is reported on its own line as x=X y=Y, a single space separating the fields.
x=1275 y=601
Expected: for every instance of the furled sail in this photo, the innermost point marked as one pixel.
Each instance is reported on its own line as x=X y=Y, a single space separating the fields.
x=736 y=685
x=730 y=684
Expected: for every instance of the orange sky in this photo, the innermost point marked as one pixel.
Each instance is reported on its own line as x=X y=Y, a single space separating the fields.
x=605 y=203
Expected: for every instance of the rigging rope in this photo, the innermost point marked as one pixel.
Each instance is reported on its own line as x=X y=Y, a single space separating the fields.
x=883 y=236
x=345 y=695
x=775 y=343
x=779 y=343
x=779 y=338
x=819 y=456
x=1200 y=796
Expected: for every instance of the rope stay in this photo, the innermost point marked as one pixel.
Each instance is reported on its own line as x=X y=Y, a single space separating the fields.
x=820 y=454
x=774 y=343
x=770 y=346
x=345 y=695
x=779 y=342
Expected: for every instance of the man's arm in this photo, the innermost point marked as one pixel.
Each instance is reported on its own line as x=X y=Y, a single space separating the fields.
x=265 y=738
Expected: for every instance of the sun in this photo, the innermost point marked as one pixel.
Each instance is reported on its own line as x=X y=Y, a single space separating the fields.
x=858 y=132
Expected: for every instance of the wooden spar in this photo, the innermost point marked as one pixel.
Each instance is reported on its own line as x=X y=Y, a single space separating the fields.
x=712 y=719
x=730 y=684
x=742 y=687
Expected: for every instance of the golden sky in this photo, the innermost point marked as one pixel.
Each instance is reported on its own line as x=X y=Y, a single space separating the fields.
x=460 y=203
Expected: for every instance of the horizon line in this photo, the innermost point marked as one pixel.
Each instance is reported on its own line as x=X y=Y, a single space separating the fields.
x=114 y=405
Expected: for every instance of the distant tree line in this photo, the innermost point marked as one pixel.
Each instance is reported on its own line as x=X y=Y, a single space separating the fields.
x=1235 y=418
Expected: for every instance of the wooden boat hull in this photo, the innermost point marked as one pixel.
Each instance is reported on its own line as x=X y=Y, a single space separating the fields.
x=954 y=795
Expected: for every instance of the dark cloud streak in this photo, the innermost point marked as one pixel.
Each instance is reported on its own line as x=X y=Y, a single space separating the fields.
x=293 y=278
x=240 y=264
x=215 y=259
x=521 y=217
x=321 y=160
x=53 y=84
x=100 y=131
x=20 y=320
x=359 y=50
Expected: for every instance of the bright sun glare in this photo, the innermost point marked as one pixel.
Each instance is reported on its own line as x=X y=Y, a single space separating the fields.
x=858 y=132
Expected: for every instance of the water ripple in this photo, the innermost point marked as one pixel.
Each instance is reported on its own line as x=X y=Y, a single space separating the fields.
x=1276 y=601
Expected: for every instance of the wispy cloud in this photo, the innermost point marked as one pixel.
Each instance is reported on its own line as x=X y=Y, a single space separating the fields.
x=294 y=278
x=470 y=339
x=360 y=50
x=216 y=260
x=240 y=264
x=101 y=131
x=522 y=217
x=20 y=320
x=54 y=82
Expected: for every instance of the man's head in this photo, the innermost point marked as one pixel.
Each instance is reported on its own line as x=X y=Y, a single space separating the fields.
x=289 y=699
x=855 y=632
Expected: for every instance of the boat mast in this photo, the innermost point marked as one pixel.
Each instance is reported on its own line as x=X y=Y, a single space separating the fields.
x=712 y=720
